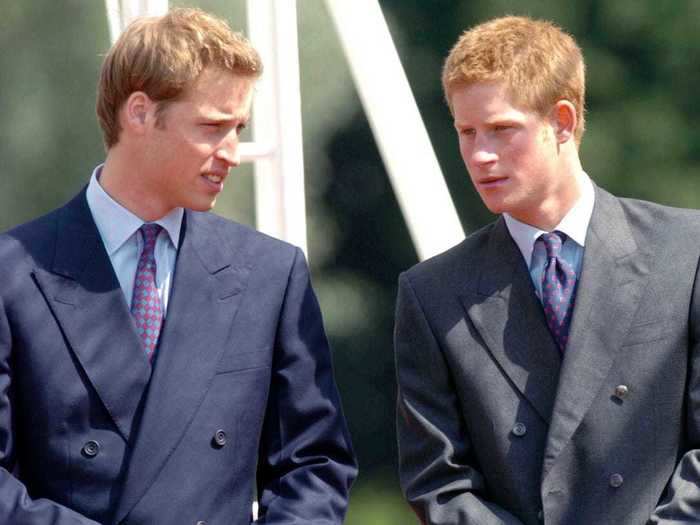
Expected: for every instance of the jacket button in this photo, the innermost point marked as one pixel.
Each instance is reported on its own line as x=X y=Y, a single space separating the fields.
x=201 y=523
x=219 y=438
x=91 y=448
x=621 y=391
x=540 y=515
x=519 y=429
x=616 y=481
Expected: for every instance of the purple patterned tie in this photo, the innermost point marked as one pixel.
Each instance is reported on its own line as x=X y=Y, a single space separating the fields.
x=145 y=302
x=558 y=289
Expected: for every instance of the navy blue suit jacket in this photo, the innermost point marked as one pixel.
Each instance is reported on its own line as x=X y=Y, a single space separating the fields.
x=241 y=388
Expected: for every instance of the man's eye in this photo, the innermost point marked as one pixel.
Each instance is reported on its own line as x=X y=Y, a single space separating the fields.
x=240 y=128
x=467 y=132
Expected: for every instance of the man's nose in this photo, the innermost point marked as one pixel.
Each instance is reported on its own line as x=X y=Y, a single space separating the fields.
x=228 y=151
x=483 y=151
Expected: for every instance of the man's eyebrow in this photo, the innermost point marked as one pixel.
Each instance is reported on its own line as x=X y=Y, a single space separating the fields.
x=216 y=116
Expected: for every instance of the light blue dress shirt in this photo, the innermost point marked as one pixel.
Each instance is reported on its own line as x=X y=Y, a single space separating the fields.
x=574 y=225
x=118 y=228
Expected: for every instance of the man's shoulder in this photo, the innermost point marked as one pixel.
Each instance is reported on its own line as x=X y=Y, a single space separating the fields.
x=235 y=234
x=34 y=236
x=454 y=263
x=661 y=211
x=652 y=219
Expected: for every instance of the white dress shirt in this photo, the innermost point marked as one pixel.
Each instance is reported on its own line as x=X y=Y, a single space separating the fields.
x=574 y=225
x=118 y=228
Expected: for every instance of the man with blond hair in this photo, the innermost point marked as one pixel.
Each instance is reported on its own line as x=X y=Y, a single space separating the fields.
x=548 y=366
x=159 y=364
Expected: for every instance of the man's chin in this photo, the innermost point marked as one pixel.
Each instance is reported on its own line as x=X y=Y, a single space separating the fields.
x=202 y=206
x=495 y=207
x=500 y=204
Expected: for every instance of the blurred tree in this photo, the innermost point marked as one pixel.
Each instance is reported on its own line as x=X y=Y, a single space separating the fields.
x=48 y=138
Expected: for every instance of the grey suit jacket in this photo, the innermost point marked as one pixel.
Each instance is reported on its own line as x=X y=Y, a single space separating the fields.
x=495 y=427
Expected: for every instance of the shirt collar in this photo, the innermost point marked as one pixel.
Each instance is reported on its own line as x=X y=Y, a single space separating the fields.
x=116 y=224
x=574 y=224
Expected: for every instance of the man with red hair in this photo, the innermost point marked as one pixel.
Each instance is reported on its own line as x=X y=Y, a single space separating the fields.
x=549 y=365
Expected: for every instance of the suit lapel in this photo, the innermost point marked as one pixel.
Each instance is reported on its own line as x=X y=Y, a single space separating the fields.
x=611 y=284
x=209 y=279
x=509 y=318
x=88 y=303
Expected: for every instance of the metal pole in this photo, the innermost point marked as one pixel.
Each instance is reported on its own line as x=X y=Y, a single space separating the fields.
x=279 y=177
x=397 y=125
x=121 y=12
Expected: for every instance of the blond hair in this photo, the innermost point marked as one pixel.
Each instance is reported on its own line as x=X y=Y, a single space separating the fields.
x=539 y=63
x=163 y=56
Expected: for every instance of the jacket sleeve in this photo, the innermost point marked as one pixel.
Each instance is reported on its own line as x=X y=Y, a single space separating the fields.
x=306 y=463
x=681 y=500
x=435 y=456
x=16 y=506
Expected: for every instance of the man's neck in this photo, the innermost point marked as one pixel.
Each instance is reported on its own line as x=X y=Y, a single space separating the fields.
x=123 y=180
x=555 y=206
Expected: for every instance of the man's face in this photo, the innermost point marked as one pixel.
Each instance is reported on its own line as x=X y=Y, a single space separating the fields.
x=195 y=143
x=511 y=154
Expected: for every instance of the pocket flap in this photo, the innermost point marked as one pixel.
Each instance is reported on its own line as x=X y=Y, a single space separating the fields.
x=234 y=361
x=647 y=332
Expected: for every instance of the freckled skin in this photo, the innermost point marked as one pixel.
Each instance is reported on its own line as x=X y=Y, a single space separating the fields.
x=512 y=155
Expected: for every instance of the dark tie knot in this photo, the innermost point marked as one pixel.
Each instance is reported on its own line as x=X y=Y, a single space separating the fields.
x=552 y=243
x=150 y=232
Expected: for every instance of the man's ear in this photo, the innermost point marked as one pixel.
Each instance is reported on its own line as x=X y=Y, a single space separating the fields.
x=138 y=112
x=564 y=120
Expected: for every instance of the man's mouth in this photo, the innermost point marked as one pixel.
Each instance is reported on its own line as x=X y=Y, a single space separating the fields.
x=491 y=181
x=216 y=179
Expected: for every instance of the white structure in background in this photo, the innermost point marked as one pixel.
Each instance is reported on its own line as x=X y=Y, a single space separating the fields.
x=397 y=125
x=277 y=150
x=121 y=12
x=277 y=132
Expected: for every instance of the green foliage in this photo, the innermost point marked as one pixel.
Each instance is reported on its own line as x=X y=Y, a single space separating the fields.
x=48 y=139
x=376 y=503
